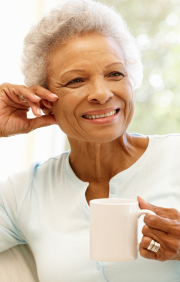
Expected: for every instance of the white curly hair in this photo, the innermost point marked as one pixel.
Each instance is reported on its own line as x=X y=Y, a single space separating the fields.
x=72 y=18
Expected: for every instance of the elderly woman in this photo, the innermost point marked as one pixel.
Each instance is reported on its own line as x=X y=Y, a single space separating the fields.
x=81 y=65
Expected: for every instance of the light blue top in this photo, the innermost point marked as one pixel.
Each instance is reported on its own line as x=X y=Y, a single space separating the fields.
x=45 y=207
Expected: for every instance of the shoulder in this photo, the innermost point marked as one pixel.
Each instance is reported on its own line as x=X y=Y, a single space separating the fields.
x=171 y=141
x=52 y=164
x=163 y=146
x=26 y=176
x=19 y=184
x=172 y=138
x=165 y=149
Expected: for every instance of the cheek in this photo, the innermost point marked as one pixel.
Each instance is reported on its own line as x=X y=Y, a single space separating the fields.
x=63 y=116
x=123 y=90
x=64 y=109
x=127 y=100
x=68 y=101
x=126 y=90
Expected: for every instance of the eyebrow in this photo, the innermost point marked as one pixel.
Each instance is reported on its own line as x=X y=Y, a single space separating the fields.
x=80 y=70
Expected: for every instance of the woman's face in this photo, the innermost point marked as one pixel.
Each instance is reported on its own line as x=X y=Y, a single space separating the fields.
x=88 y=73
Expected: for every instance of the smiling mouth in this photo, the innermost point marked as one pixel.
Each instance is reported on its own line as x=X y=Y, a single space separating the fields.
x=101 y=116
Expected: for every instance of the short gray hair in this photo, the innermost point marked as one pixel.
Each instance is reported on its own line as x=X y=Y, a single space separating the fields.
x=71 y=18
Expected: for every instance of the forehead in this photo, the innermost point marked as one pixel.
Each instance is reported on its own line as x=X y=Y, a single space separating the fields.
x=84 y=49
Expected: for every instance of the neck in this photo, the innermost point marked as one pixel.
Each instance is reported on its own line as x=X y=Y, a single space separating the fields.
x=93 y=162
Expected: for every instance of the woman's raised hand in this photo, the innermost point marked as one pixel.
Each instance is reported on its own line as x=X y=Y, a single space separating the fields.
x=13 y=109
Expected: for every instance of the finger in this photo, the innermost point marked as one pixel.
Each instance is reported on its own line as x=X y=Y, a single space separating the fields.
x=35 y=107
x=30 y=99
x=46 y=111
x=163 y=212
x=145 y=242
x=169 y=243
x=157 y=222
x=43 y=93
x=39 y=122
x=42 y=104
x=23 y=90
x=159 y=255
x=146 y=253
x=12 y=93
x=46 y=103
x=157 y=235
x=164 y=224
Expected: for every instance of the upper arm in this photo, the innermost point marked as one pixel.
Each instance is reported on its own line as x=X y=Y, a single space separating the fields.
x=12 y=194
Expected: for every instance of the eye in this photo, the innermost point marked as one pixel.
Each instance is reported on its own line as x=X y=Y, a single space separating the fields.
x=117 y=74
x=74 y=81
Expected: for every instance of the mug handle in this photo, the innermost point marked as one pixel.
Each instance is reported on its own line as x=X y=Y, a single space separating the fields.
x=141 y=212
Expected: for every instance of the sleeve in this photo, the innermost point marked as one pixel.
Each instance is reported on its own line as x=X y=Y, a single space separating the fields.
x=12 y=194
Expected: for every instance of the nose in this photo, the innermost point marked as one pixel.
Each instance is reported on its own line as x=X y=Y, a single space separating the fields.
x=99 y=93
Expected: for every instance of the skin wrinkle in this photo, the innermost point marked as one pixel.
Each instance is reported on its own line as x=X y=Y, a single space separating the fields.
x=98 y=166
x=82 y=70
x=98 y=152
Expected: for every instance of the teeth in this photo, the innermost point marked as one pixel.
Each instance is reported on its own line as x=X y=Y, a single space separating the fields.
x=100 y=116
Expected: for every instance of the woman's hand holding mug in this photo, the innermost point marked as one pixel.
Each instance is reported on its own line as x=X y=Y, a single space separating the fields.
x=15 y=102
x=164 y=228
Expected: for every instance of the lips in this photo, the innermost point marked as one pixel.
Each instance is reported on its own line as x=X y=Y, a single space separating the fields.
x=100 y=112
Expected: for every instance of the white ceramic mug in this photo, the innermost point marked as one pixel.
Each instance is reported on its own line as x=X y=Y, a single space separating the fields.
x=113 y=229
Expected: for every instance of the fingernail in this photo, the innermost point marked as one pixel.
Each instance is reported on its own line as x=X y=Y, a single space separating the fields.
x=54 y=95
x=37 y=97
x=46 y=111
x=49 y=104
x=39 y=112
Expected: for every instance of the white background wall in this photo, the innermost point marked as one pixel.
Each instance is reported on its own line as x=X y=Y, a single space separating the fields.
x=18 y=152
